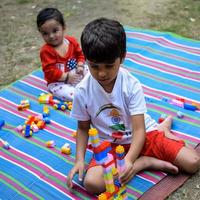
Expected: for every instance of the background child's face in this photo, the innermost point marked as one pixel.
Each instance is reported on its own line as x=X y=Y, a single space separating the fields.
x=52 y=32
x=105 y=73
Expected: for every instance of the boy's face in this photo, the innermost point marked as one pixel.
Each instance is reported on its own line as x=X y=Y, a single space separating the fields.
x=52 y=32
x=105 y=73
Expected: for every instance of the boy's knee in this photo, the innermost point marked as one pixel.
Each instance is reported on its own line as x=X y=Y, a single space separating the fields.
x=193 y=164
x=92 y=186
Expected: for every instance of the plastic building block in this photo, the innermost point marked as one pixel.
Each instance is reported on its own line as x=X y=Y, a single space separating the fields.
x=60 y=106
x=180 y=114
x=74 y=134
x=5 y=144
x=103 y=157
x=45 y=98
x=24 y=104
x=50 y=144
x=45 y=111
x=2 y=122
x=162 y=118
x=188 y=106
x=66 y=149
x=27 y=131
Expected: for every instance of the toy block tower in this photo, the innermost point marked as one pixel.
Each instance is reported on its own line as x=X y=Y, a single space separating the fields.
x=114 y=190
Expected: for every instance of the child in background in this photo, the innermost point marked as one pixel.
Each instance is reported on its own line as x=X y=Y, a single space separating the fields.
x=111 y=100
x=62 y=58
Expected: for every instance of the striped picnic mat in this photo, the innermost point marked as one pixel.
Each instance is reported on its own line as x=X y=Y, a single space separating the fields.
x=167 y=66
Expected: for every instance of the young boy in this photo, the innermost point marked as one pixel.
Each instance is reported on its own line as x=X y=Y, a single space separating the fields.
x=111 y=100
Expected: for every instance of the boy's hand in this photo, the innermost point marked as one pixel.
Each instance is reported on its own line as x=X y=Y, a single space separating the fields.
x=78 y=168
x=128 y=174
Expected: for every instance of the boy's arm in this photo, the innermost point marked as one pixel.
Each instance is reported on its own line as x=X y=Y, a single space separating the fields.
x=138 y=138
x=135 y=148
x=82 y=140
x=81 y=145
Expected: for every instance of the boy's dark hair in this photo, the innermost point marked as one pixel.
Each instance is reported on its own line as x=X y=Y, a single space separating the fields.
x=49 y=13
x=103 y=40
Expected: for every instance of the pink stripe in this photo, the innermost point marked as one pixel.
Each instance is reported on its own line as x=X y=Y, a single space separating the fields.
x=8 y=105
x=35 y=83
x=158 y=173
x=133 y=192
x=37 y=79
x=148 y=177
x=46 y=168
x=18 y=187
x=50 y=130
x=38 y=173
x=163 y=66
x=186 y=137
x=22 y=93
x=164 y=80
x=163 y=41
x=148 y=90
x=166 y=111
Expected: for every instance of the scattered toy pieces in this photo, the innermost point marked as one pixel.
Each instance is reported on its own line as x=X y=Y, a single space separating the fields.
x=24 y=105
x=162 y=118
x=5 y=144
x=66 y=149
x=50 y=144
x=2 y=122
x=180 y=114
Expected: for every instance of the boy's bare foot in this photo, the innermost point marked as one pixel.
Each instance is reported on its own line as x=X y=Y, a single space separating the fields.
x=156 y=164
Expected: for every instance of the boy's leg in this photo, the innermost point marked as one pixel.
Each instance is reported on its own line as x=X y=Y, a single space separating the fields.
x=94 y=182
x=165 y=126
x=187 y=160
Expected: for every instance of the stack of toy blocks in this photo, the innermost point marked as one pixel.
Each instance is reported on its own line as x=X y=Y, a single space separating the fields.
x=114 y=190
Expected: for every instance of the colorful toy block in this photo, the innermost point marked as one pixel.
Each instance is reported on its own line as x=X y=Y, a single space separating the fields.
x=2 y=122
x=114 y=190
x=50 y=144
x=66 y=149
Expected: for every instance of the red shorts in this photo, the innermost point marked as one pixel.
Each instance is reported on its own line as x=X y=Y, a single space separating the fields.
x=156 y=145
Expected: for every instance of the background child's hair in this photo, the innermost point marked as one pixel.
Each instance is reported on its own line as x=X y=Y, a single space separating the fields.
x=49 y=13
x=103 y=40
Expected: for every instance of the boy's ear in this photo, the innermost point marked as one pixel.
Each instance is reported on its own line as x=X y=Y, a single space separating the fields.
x=122 y=59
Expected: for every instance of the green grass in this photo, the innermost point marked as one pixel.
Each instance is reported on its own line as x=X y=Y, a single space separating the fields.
x=182 y=18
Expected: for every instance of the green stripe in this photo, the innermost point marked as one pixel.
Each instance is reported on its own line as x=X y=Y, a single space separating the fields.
x=44 y=148
x=181 y=120
x=13 y=188
x=134 y=189
x=173 y=70
x=22 y=185
x=146 y=74
x=160 y=32
x=162 y=53
x=153 y=175
x=34 y=166
x=32 y=99
x=43 y=172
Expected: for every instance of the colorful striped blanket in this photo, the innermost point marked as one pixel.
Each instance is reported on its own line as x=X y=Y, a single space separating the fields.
x=168 y=66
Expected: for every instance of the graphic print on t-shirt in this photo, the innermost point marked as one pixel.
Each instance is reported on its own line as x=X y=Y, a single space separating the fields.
x=112 y=115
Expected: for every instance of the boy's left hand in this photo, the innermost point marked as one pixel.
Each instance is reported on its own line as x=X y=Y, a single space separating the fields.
x=128 y=174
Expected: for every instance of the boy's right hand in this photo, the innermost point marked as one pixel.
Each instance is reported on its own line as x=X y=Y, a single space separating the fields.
x=78 y=168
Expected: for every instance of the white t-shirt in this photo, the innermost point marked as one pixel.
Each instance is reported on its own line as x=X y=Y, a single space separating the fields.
x=110 y=112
